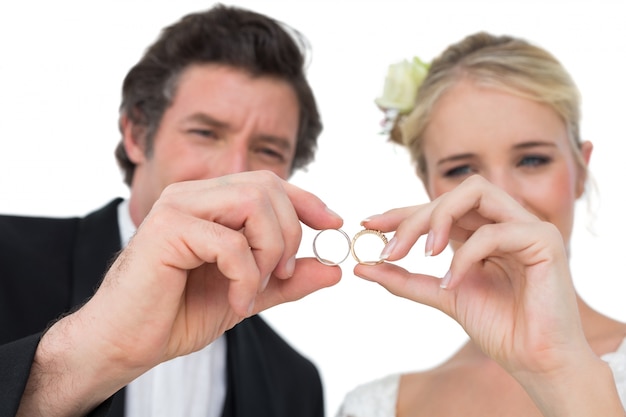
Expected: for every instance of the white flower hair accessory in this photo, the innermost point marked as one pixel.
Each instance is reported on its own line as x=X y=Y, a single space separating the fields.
x=401 y=84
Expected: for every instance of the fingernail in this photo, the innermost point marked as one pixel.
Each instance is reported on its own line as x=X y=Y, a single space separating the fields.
x=332 y=212
x=388 y=249
x=365 y=277
x=445 y=281
x=430 y=243
x=290 y=266
x=251 y=308
x=265 y=282
x=368 y=219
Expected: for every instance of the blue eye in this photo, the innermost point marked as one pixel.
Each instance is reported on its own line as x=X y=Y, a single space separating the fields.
x=534 y=160
x=458 y=171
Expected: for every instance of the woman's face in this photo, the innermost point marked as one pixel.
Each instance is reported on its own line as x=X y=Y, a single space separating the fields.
x=518 y=144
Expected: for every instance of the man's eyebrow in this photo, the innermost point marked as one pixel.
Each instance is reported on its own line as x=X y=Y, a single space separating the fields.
x=206 y=119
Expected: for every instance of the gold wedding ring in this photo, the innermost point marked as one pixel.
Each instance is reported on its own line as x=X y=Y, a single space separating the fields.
x=360 y=234
x=351 y=245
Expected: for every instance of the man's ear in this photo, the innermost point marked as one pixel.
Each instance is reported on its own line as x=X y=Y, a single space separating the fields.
x=586 y=148
x=133 y=139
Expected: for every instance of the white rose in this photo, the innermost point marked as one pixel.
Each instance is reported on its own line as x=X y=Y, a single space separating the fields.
x=401 y=84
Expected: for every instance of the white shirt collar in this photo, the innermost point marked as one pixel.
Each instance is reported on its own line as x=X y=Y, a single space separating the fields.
x=125 y=223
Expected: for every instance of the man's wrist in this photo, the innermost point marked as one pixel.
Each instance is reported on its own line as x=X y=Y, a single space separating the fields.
x=67 y=377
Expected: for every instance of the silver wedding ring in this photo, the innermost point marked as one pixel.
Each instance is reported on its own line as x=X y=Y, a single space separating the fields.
x=329 y=236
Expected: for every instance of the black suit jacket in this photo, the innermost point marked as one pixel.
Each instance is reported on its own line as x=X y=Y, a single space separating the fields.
x=50 y=266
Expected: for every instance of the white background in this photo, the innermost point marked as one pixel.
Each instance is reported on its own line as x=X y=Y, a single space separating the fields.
x=61 y=70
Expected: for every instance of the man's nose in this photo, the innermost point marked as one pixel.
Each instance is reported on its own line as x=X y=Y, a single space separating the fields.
x=233 y=161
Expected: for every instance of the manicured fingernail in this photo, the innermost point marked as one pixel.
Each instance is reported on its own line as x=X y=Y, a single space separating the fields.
x=290 y=266
x=388 y=249
x=430 y=243
x=365 y=277
x=368 y=219
x=445 y=281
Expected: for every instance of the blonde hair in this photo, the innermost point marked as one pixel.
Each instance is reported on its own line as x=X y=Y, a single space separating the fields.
x=509 y=64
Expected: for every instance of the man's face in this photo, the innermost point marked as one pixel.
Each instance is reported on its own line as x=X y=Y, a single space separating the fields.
x=221 y=121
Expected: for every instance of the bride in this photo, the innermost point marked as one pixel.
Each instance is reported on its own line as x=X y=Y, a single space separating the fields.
x=494 y=134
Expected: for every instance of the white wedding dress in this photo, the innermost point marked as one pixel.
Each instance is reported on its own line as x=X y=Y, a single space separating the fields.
x=378 y=398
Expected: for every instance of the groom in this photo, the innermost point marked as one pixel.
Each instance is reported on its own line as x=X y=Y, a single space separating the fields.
x=220 y=93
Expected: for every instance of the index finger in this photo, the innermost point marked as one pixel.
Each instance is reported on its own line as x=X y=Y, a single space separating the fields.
x=311 y=210
x=470 y=205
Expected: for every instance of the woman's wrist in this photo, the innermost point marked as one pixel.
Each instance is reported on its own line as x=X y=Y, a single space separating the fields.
x=585 y=388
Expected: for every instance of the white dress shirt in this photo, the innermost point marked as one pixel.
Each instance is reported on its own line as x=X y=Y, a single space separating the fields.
x=193 y=385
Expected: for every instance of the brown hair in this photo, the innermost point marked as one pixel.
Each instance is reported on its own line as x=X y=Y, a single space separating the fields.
x=227 y=36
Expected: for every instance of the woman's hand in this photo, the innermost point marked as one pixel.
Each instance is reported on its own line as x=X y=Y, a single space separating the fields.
x=509 y=283
x=509 y=286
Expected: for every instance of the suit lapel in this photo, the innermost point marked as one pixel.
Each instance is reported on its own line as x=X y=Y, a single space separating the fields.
x=97 y=242
x=249 y=389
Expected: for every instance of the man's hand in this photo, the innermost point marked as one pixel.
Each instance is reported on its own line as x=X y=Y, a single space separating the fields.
x=209 y=254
